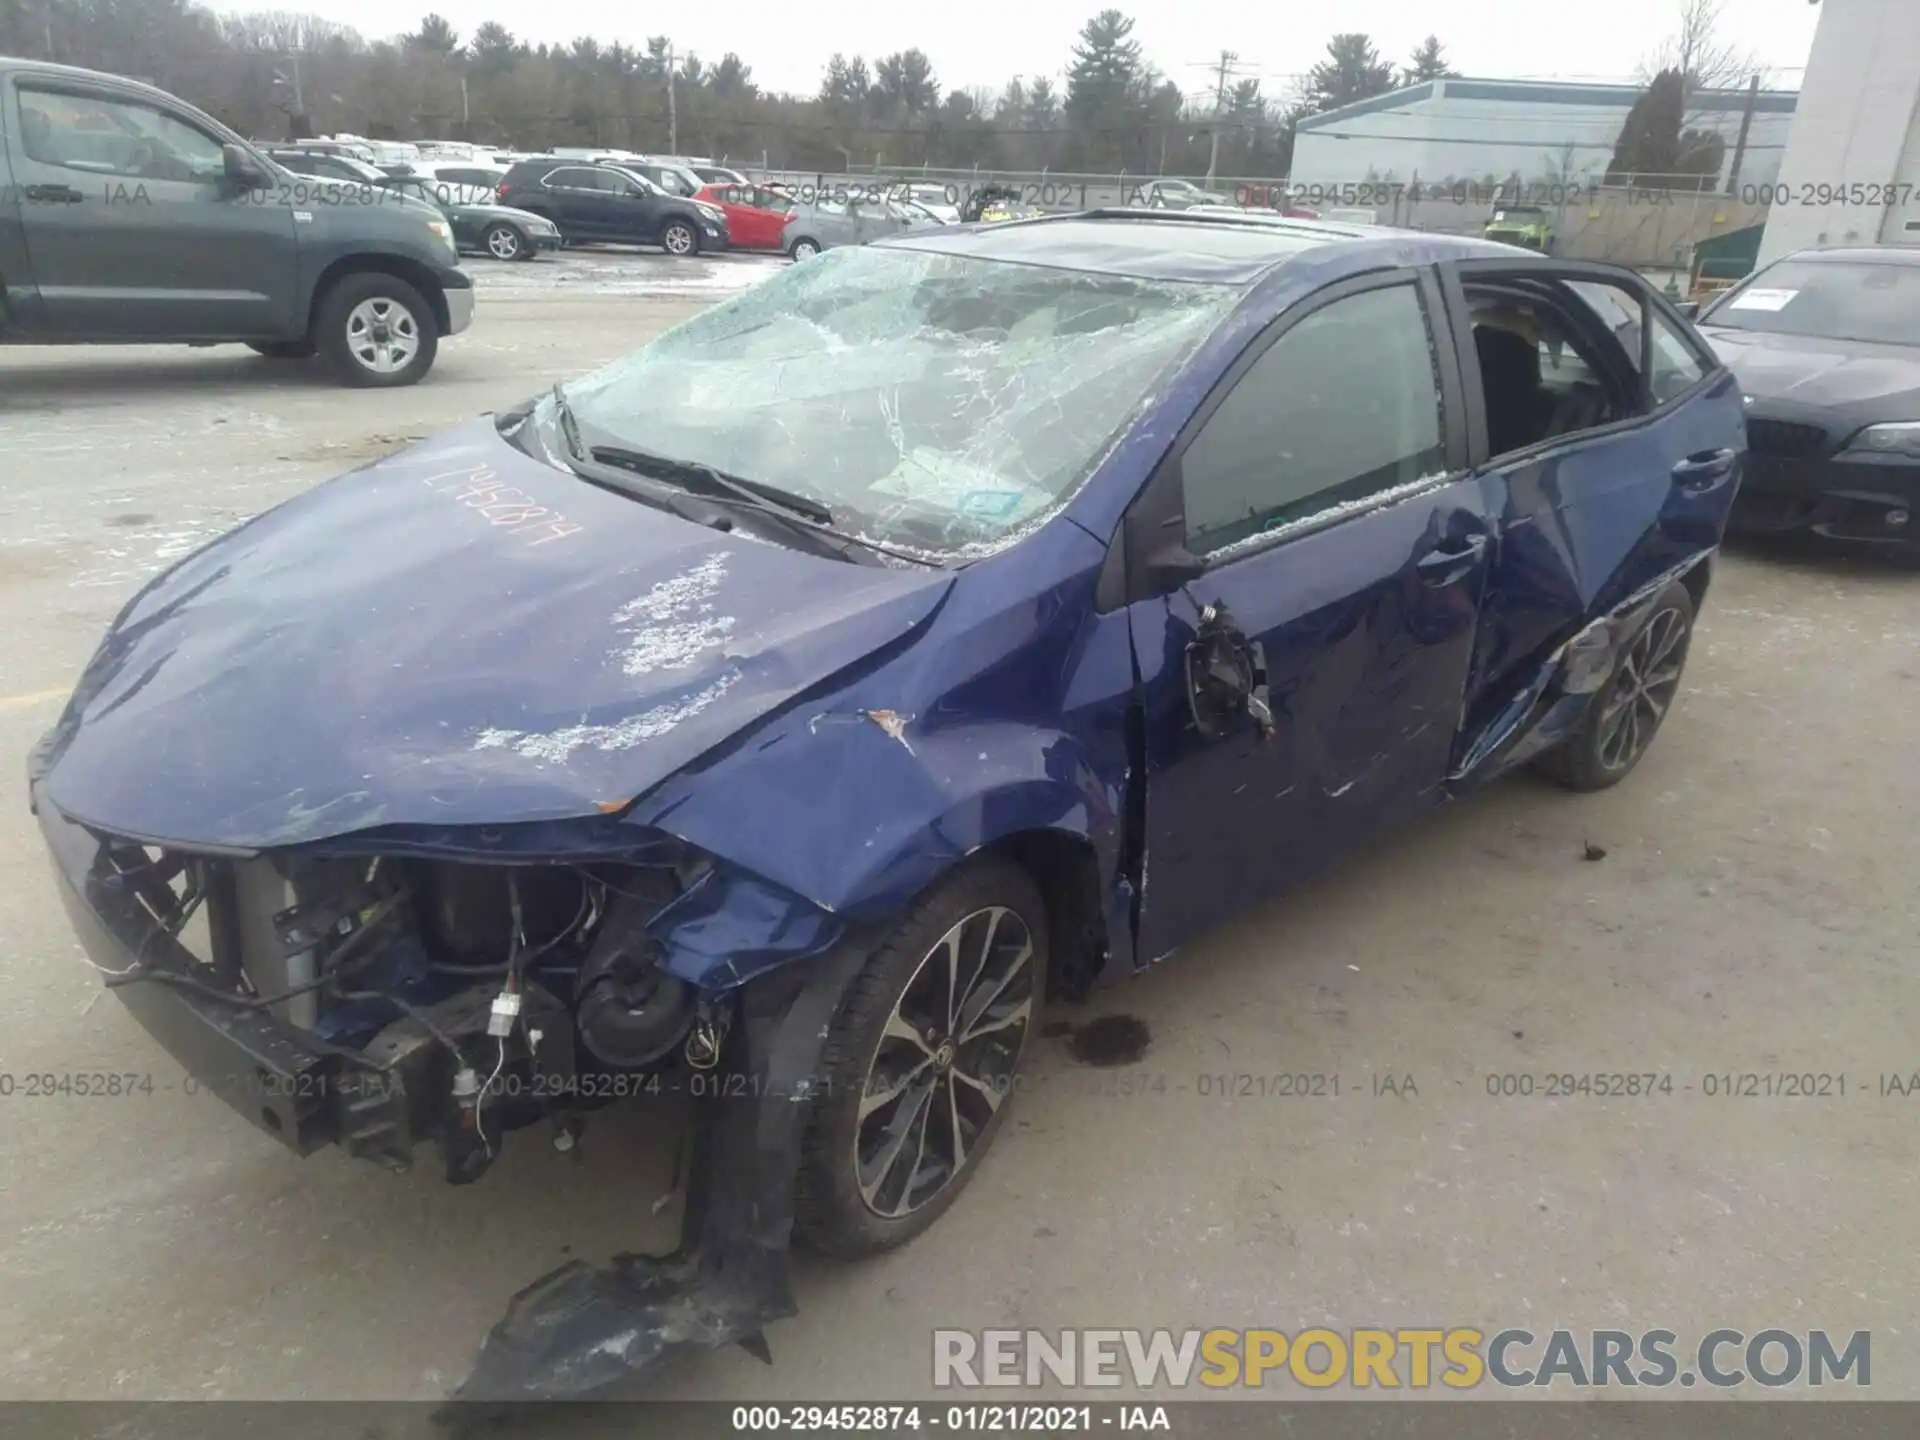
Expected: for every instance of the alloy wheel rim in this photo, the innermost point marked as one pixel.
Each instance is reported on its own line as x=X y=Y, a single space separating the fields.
x=1642 y=690
x=944 y=1063
x=805 y=250
x=382 y=334
x=679 y=239
x=504 y=244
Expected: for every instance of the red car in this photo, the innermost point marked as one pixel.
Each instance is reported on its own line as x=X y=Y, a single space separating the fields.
x=755 y=214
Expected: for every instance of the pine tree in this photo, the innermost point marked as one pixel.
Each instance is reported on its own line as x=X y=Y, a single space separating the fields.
x=1428 y=62
x=1353 y=70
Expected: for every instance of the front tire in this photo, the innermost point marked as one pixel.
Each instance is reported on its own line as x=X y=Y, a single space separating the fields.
x=680 y=239
x=922 y=1060
x=1622 y=720
x=503 y=242
x=376 y=331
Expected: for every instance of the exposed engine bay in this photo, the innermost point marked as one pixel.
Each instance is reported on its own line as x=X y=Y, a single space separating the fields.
x=455 y=1001
x=395 y=1001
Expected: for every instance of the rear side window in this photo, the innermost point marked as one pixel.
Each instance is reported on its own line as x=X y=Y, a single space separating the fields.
x=118 y=137
x=1675 y=367
x=1618 y=311
x=573 y=178
x=1343 y=406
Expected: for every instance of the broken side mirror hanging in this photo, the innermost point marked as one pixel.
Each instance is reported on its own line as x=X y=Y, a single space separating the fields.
x=1226 y=675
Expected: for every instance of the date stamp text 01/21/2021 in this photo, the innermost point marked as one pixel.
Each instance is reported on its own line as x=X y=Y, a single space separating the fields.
x=1502 y=1085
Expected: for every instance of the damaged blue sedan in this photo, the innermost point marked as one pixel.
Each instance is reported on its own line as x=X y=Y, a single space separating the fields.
x=781 y=715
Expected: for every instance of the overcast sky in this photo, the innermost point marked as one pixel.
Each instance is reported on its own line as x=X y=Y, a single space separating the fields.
x=984 y=42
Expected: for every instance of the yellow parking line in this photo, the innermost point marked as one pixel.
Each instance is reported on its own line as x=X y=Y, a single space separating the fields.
x=27 y=702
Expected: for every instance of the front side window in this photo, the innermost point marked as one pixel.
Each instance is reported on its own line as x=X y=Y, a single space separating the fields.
x=933 y=401
x=1343 y=406
x=1827 y=300
x=115 y=137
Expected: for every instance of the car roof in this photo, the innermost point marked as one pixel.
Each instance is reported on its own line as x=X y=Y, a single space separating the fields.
x=1181 y=245
x=1860 y=254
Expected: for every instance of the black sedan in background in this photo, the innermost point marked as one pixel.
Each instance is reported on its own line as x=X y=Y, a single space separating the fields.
x=1826 y=345
x=481 y=227
x=593 y=203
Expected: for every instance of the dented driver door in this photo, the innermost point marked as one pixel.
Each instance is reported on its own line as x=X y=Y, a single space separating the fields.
x=1313 y=540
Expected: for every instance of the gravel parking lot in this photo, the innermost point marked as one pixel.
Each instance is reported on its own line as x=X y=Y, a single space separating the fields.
x=1744 y=903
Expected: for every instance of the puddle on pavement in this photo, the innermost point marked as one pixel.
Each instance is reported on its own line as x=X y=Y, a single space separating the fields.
x=1111 y=1040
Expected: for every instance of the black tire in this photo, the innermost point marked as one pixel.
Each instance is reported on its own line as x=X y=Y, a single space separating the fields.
x=505 y=242
x=679 y=239
x=832 y=1214
x=282 y=349
x=805 y=248
x=1597 y=755
x=339 y=334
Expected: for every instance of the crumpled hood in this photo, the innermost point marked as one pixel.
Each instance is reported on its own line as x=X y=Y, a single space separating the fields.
x=1817 y=372
x=458 y=634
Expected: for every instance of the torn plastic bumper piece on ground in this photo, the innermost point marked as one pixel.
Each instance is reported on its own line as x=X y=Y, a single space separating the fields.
x=579 y=1330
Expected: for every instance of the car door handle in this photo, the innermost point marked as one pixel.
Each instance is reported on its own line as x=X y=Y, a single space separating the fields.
x=1700 y=473
x=52 y=194
x=1448 y=561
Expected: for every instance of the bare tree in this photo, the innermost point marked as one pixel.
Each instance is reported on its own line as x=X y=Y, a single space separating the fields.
x=1699 y=50
x=282 y=32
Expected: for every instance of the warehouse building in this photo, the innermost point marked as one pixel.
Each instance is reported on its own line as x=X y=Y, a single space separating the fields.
x=1851 y=173
x=1543 y=131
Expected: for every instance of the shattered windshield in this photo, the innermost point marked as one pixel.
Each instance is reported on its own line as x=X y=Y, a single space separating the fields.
x=939 y=403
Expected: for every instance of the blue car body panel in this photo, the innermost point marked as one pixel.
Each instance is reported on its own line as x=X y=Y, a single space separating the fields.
x=464 y=653
x=460 y=639
x=460 y=635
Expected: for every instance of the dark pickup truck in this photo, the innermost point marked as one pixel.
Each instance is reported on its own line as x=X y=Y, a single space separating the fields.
x=127 y=216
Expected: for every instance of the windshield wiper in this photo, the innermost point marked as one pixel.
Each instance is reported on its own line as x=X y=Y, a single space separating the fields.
x=796 y=512
x=697 y=506
x=713 y=480
x=569 y=427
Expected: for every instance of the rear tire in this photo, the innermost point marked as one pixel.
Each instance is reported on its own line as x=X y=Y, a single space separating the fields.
x=504 y=242
x=283 y=349
x=1623 y=719
x=376 y=331
x=803 y=249
x=943 y=1082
